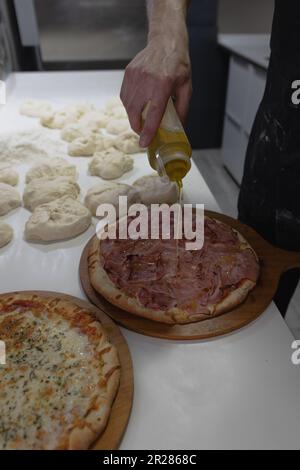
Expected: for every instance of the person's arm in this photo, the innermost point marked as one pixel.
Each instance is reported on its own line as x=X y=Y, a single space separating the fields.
x=160 y=70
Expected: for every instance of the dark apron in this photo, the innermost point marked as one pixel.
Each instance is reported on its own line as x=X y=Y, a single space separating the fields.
x=270 y=194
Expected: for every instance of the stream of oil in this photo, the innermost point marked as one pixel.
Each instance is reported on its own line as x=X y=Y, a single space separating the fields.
x=176 y=230
x=179 y=221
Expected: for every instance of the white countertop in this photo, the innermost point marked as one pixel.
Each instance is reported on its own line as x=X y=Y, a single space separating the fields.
x=253 y=47
x=240 y=391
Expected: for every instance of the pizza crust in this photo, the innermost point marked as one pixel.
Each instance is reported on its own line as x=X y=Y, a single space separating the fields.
x=81 y=437
x=104 y=285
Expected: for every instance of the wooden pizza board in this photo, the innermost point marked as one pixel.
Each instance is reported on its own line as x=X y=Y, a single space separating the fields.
x=273 y=261
x=111 y=438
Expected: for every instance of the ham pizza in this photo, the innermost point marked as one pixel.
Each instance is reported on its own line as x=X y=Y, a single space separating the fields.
x=162 y=281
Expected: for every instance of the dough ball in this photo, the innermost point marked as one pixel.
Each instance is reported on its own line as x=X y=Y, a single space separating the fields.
x=110 y=164
x=108 y=193
x=74 y=131
x=35 y=108
x=113 y=103
x=128 y=142
x=100 y=142
x=44 y=190
x=94 y=120
x=56 y=120
x=108 y=142
x=8 y=176
x=60 y=119
x=79 y=109
x=89 y=144
x=53 y=169
x=156 y=190
x=119 y=113
x=82 y=147
x=117 y=126
x=6 y=234
x=47 y=119
x=9 y=198
x=58 y=220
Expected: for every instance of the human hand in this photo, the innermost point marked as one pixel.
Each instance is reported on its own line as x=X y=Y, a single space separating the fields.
x=159 y=71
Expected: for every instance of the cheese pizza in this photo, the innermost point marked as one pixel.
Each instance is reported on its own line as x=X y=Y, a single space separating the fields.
x=162 y=281
x=61 y=374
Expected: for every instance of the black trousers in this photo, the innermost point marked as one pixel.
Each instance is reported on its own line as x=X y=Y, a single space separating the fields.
x=270 y=193
x=269 y=199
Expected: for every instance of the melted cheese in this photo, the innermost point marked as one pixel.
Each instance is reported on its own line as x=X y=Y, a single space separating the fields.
x=48 y=382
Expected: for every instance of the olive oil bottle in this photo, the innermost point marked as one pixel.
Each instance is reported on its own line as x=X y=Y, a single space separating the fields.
x=170 y=151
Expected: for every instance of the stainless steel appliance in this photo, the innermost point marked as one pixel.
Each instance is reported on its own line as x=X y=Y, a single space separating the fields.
x=84 y=34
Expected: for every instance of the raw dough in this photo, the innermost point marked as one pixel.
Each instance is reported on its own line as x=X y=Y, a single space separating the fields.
x=82 y=147
x=44 y=190
x=94 y=120
x=108 y=142
x=156 y=190
x=88 y=145
x=35 y=108
x=113 y=103
x=117 y=126
x=119 y=113
x=30 y=146
x=58 y=220
x=80 y=109
x=128 y=142
x=6 y=234
x=74 y=131
x=110 y=164
x=57 y=119
x=9 y=198
x=101 y=142
x=8 y=175
x=108 y=193
x=57 y=167
x=68 y=115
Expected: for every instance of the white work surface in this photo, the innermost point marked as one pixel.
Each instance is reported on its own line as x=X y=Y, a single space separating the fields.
x=240 y=391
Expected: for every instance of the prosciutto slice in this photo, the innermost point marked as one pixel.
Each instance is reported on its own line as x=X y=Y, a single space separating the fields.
x=162 y=274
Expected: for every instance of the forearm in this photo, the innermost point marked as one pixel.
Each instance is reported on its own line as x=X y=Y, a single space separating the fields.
x=167 y=17
x=160 y=70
